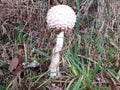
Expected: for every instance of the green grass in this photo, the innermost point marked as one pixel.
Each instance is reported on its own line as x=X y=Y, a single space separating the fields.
x=4 y=88
x=82 y=70
x=83 y=76
x=19 y=37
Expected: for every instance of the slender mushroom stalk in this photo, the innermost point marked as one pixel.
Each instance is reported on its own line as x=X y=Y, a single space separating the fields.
x=54 y=66
x=60 y=17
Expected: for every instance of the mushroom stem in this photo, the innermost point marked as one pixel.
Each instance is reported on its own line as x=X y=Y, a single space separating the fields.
x=54 y=66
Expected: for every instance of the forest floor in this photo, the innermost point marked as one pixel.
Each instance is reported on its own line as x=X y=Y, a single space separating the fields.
x=90 y=59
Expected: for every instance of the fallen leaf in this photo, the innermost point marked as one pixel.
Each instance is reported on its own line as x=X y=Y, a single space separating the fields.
x=20 y=59
x=1 y=73
x=19 y=69
x=14 y=63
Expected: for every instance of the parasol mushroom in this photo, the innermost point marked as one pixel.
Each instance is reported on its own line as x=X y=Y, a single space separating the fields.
x=60 y=18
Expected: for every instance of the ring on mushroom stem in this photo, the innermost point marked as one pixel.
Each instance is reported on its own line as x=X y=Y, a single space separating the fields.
x=60 y=18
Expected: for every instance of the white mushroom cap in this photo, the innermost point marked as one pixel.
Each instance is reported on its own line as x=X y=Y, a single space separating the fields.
x=61 y=17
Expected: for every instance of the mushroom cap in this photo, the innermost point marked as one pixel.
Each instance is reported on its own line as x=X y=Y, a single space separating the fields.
x=61 y=17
